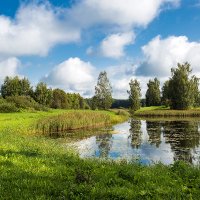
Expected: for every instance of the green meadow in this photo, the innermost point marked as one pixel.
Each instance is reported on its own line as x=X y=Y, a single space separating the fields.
x=34 y=166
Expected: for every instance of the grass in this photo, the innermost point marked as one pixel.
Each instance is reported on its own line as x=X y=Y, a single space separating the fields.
x=40 y=168
x=37 y=167
x=56 y=125
x=15 y=119
x=26 y=121
x=161 y=111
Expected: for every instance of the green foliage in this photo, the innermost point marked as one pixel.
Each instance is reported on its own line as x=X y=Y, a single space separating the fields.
x=59 y=99
x=166 y=94
x=92 y=102
x=134 y=95
x=153 y=96
x=75 y=101
x=6 y=107
x=21 y=101
x=19 y=92
x=195 y=91
x=42 y=94
x=120 y=103
x=183 y=89
x=25 y=102
x=15 y=87
x=103 y=92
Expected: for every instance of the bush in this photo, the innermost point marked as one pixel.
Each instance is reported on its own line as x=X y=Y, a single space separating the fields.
x=21 y=101
x=2 y=100
x=25 y=102
x=6 y=107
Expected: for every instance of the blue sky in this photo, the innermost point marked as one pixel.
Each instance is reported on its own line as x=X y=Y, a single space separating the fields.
x=67 y=43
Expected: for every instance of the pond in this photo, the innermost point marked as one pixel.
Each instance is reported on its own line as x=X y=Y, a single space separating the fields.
x=149 y=141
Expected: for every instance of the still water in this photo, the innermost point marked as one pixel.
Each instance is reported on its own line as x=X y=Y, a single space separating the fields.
x=149 y=141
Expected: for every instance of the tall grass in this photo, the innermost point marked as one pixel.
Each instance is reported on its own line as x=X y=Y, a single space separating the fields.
x=165 y=112
x=55 y=125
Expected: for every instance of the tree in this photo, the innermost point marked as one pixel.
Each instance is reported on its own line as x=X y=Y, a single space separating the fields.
x=195 y=89
x=43 y=95
x=153 y=93
x=183 y=89
x=134 y=95
x=166 y=94
x=103 y=92
x=15 y=87
x=59 y=99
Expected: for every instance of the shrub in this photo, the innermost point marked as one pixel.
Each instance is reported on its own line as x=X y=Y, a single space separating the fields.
x=25 y=102
x=21 y=101
x=6 y=107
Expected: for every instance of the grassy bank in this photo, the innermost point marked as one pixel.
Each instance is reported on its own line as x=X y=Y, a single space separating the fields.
x=159 y=111
x=37 y=167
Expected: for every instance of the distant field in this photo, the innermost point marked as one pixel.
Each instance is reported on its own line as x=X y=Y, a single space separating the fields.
x=162 y=111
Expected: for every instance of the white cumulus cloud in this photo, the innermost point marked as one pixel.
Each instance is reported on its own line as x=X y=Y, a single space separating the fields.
x=35 y=29
x=163 y=54
x=124 y=13
x=38 y=27
x=113 y=45
x=119 y=17
x=9 y=67
x=73 y=75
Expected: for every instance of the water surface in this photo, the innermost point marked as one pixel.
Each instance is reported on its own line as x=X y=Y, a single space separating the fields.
x=148 y=141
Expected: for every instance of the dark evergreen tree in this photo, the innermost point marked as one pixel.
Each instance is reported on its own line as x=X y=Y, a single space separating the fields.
x=153 y=97
x=103 y=92
x=134 y=95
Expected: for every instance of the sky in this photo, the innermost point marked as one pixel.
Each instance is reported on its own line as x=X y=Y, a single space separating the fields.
x=67 y=43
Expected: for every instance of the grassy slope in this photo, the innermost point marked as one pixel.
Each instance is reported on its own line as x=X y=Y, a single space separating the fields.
x=162 y=111
x=40 y=168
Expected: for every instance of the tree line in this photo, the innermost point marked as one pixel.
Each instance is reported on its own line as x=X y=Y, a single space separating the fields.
x=180 y=92
x=20 y=93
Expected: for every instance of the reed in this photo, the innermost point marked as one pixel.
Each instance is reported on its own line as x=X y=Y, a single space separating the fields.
x=55 y=125
x=148 y=112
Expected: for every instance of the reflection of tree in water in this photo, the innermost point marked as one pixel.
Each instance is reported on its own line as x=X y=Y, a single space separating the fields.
x=135 y=133
x=183 y=136
x=104 y=143
x=154 y=132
